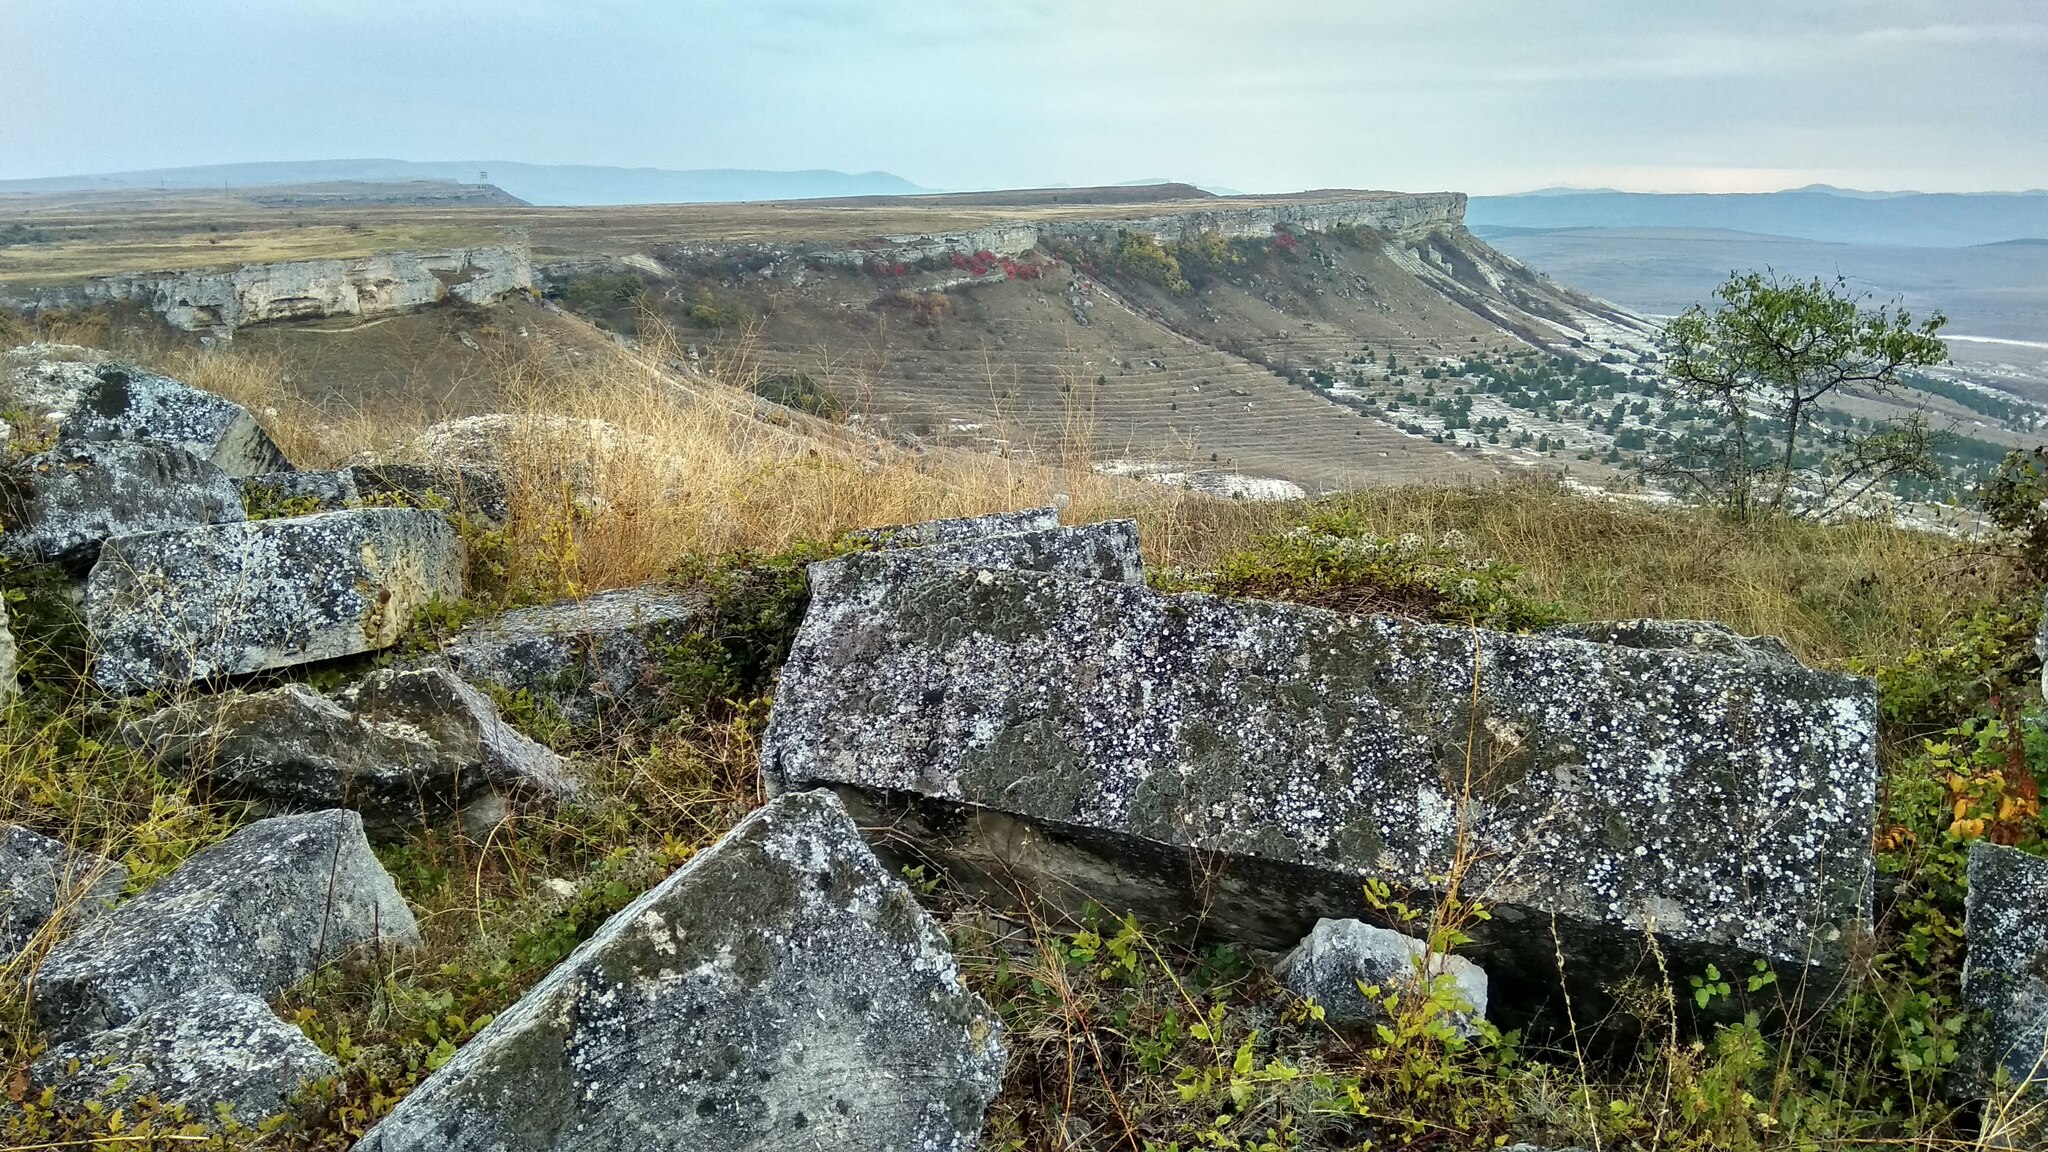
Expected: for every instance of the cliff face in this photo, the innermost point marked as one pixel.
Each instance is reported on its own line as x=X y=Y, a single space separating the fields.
x=226 y=299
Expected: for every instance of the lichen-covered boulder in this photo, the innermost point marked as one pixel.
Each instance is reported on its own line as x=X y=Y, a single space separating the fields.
x=43 y=381
x=1246 y=764
x=1699 y=637
x=782 y=990
x=405 y=748
x=255 y=913
x=456 y=489
x=1104 y=551
x=41 y=880
x=169 y=608
x=60 y=506
x=2006 y=973
x=203 y=1052
x=595 y=662
x=123 y=402
x=298 y=493
x=1331 y=963
x=929 y=532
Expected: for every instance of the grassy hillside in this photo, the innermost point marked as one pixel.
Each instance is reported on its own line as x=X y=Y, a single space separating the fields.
x=1118 y=1038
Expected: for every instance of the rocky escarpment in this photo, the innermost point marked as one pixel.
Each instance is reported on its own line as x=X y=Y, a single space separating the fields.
x=222 y=300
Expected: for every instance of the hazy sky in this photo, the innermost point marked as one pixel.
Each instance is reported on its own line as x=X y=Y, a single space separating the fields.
x=1259 y=95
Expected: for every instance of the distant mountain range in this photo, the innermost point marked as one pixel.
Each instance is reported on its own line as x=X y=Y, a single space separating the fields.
x=547 y=184
x=1819 y=212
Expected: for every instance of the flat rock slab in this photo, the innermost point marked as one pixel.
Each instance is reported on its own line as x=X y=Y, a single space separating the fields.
x=170 y=608
x=1699 y=637
x=2006 y=975
x=123 y=402
x=1104 y=551
x=782 y=990
x=41 y=880
x=299 y=493
x=62 y=505
x=200 y=1052
x=595 y=661
x=961 y=528
x=459 y=489
x=255 y=913
x=1250 y=762
x=405 y=748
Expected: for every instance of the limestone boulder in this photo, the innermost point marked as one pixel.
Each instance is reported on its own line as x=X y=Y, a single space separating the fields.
x=781 y=990
x=47 y=887
x=172 y=607
x=1104 y=551
x=2006 y=974
x=62 y=505
x=595 y=662
x=1245 y=765
x=42 y=381
x=961 y=528
x=123 y=402
x=299 y=493
x=202 y=1052
x=456 y=489
x=1331 y=963
x=256 y=913
x=405 y=748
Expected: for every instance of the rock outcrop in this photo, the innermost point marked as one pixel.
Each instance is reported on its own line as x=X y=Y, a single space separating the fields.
x=594 y=662
x=41 y=880
x=782 y=990
x=2006 y=975
x=222 y=300
x=173 y=607
x=123 y=402
x=1699 y=637
x=254 y=914
x=1105 y=551
x=60 y=506
x=405 y=748
x=1253 y=762
x=201 y=1052
x=1340 y=955
x=453 y=488
x=951 y=531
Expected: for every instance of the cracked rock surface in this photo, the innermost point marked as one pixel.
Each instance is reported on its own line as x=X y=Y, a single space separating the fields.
x=122 y=402
x=62 y=505
x=41 y=878
x=255 y=913
x=782 y=990
x=1251 y=761
x=406 y=748
x=168 y=608
x=201 y=1051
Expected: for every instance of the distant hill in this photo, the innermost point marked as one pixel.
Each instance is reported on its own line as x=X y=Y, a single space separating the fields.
x=1908 y=219
x=548 y=184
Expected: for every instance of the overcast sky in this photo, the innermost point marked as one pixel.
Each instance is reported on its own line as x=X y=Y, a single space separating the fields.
x=1257 y=95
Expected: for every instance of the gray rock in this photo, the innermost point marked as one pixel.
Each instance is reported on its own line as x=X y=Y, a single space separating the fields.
x=43 y=381
x=255 y=913
x=1332 y=961
x=2006 y=973
x=405 y=748
x=169 y=608
x=2041 y=648
x=42 y=880
x=60 y=506
x=1105 y=551
x=1247 y=763
x=596 y=662
x=1699 y=637
x=201 y=1052
x=453 y=488
x=317 y=491
x=964 y=528
x=123 y=402
x=782 y=990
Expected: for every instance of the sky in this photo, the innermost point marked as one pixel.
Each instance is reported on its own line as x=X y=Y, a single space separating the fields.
x=1483 y=96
